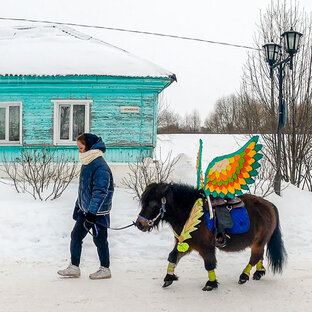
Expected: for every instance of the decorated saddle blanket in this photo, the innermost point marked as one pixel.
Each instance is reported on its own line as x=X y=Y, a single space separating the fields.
x=233 y=214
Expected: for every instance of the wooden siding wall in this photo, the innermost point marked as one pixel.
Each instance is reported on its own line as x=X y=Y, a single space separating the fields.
x=128 y=136
x=124 y=129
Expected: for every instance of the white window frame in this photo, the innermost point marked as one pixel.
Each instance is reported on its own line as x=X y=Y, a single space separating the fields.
x=56 y=130
x=6 y=141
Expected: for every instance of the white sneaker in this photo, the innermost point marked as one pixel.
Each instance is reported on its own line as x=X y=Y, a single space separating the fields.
x=101 y=273
x=70 y=271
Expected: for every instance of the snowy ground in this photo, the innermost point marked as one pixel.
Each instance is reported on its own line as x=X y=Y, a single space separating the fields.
x=34 y=242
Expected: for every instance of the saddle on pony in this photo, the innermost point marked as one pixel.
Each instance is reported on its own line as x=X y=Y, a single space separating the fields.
x=229 y=217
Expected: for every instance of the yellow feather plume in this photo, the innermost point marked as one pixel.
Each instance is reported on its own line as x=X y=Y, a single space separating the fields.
x=192 y=221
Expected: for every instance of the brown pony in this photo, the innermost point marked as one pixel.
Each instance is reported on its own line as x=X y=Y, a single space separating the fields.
x=173 y=203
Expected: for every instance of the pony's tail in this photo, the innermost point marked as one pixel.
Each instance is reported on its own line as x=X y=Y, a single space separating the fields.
x=276 y=252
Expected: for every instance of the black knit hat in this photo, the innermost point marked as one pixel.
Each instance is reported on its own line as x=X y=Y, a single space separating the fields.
x=91 y=139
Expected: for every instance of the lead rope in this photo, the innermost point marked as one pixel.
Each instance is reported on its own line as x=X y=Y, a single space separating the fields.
x=124 y=227
x=96 y=231
x=150 y=222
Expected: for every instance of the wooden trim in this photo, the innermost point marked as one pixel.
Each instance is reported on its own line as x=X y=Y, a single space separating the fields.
x=56 y=121
x=6 y=141
x=85 y=84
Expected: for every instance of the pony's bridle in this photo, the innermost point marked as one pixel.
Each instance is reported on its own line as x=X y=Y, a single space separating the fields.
x=160 y=215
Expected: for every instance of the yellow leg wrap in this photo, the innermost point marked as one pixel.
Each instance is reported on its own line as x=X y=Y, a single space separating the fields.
x=260 y=266
x=171 y=267
x=248 y=269
x=211 y=276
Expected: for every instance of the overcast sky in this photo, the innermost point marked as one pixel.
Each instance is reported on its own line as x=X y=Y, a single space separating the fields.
x=205 y=72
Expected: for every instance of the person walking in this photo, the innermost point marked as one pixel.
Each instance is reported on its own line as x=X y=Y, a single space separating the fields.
x=92 y=208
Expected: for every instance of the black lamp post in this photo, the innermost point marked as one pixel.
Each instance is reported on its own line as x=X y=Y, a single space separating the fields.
x=274 y=57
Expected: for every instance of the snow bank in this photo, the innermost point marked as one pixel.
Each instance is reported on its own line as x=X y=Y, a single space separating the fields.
x=34 y=240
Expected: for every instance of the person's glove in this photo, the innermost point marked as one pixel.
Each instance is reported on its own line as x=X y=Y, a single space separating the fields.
x=90 y=218
x=90 y=224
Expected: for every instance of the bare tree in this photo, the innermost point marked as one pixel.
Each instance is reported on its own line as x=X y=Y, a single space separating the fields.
x=306 y=177
x=232 y=114
x=195 y=121
x=168 y=120
x=40 y=173
x=192 y=122
x=263 y=185
x=149 y=170
x=297 y=137
x=223 y=117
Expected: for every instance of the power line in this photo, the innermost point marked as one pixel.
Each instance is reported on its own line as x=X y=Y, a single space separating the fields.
x=129 y=30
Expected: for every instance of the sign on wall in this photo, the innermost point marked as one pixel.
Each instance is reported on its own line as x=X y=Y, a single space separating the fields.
x=130 y=109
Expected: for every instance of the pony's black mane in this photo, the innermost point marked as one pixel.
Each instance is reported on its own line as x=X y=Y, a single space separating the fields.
x=186 y=194
x=182 y=192
x=180 y=200
x=150 y=191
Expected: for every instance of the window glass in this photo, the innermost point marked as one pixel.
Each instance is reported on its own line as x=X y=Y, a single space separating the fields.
x=14 y=123
x=2 y=123
x=78 y=120
x=71 y=120
x=64 y=124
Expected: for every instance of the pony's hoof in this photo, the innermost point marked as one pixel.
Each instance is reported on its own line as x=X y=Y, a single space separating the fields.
x=168 y=280
x=243 y=278
x=167 y=283
x=258 y=274
x=210 y=286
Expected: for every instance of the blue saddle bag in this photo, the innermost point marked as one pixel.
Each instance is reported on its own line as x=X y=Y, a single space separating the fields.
x=240 y=219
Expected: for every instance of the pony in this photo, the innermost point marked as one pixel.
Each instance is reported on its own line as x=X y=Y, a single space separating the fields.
x=172 y=203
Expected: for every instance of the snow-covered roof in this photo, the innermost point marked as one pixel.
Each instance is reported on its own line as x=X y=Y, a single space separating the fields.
x=55 y=50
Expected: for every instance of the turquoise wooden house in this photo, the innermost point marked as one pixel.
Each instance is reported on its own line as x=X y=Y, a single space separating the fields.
x=56 y=83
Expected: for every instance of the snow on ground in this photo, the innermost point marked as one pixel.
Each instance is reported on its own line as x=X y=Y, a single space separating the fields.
x=34 y=240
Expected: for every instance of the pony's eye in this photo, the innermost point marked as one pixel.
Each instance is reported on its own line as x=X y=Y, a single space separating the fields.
x=153 y=206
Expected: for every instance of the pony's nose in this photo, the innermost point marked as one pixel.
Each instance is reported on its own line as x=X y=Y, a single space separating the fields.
x=141 y=226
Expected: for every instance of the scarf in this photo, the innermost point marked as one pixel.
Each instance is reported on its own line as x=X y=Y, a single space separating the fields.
x=89 y=156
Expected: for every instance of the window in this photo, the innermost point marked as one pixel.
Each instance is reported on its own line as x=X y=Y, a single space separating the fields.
x=10 y=122
x=71 y=118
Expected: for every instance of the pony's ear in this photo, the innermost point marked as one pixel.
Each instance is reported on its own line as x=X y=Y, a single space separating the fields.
x=168 y=193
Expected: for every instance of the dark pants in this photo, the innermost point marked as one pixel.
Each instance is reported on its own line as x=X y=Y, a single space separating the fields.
x=78 y=234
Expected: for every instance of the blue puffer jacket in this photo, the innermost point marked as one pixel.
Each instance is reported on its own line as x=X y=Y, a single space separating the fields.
x=96 y=188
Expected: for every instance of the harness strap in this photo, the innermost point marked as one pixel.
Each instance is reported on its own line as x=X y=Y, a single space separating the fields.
x=209 y=207
x=144 y=219
x=161 y=213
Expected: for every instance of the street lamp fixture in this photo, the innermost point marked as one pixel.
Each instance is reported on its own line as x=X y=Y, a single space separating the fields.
x=291 y=41
x=272 y=52
x=275 y=59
